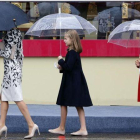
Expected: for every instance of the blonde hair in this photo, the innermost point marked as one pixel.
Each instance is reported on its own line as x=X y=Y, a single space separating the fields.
x=76 y=44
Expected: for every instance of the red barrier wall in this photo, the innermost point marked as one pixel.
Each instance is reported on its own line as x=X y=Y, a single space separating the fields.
x=91 y=48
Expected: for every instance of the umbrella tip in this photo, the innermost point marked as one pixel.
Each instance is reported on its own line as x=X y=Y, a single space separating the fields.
x=15 y=22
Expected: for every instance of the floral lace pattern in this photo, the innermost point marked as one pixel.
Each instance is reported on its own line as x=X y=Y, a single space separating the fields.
x=12 y=67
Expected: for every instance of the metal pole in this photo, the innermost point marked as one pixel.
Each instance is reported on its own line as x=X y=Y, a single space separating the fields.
x=60 y=29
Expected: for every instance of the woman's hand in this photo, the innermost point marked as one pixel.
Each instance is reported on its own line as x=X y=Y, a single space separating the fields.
x=59 y=57
x=59 y=67
x=137 y=63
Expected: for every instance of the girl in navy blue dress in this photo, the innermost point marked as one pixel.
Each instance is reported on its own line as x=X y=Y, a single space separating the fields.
x=73 y=90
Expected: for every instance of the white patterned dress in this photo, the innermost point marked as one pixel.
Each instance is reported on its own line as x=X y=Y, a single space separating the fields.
x=11 y=85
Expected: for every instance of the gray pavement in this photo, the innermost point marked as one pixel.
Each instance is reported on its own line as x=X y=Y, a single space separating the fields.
x=95 y=136
x=96 y=111
x=101 y=119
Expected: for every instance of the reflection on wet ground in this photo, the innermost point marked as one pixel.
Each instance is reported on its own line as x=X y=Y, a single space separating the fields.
x=95 y=136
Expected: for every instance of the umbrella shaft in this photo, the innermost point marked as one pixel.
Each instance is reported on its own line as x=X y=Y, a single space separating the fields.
x=60 y=45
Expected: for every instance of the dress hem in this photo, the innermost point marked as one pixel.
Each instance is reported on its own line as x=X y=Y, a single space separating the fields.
x=74 y=105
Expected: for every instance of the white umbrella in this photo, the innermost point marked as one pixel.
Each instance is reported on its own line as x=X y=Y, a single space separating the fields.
x=58 y=24
x=125 y=34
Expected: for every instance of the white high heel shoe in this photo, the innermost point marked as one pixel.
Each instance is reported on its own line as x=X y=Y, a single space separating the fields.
x=3 y=129
x=33 y=132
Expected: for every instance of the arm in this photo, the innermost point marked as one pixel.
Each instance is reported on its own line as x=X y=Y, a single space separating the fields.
x=9 y=42
x=7 y=52
x=68 y=66
x=20 y=53
x=60 y=69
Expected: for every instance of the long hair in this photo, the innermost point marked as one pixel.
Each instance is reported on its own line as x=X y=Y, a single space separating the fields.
x=76 y=44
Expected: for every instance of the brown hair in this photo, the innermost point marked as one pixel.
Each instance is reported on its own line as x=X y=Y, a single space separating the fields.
x=76 y=44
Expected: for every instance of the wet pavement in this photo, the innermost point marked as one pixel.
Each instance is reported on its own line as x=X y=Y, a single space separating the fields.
x=95 y=136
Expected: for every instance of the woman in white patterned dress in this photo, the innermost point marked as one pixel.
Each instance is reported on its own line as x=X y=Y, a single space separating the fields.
x=11 y=85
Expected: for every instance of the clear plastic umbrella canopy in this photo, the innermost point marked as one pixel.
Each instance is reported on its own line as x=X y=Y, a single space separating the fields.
x=58 y=24
x=126 y=34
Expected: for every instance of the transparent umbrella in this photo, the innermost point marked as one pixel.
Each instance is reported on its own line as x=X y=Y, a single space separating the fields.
x=58 y=24
x=126 y=34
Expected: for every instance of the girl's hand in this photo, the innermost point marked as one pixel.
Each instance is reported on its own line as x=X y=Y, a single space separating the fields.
x=137 y=63
x=60 y=57
x=59 y=67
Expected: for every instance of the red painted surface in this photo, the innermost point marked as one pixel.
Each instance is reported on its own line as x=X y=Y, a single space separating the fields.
x=91 y=48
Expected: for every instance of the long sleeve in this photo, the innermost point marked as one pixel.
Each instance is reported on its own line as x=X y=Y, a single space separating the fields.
x=61 y=71
x=70 y=62
x=7 y=51
x=20 y=53
x=9 y=41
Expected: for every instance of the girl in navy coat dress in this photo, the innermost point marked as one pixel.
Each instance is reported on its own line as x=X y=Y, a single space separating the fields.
x=73 y=90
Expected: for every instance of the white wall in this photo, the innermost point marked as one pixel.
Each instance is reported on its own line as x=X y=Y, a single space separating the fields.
x=111 y=80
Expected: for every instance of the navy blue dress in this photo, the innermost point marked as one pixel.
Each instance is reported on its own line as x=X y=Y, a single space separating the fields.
x=73 y=90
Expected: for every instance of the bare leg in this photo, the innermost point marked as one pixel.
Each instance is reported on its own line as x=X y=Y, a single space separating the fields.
x=83 y=130
x=63 y=120
x=24 y=110
x=4 y=109
x=81 y=114
x=63 y=117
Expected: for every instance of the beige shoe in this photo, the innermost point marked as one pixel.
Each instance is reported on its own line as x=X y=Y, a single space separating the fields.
x=84 y=133
x=3 y=129
x=57 y=132
x=33 y=132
